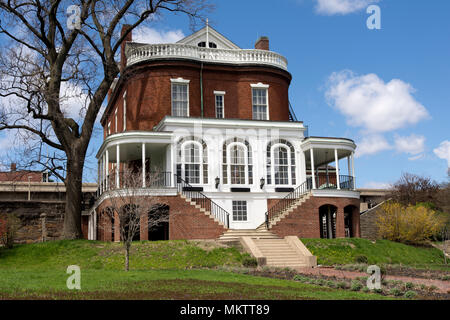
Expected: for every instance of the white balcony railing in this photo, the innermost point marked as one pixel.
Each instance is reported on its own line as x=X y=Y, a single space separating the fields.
x=137 y=53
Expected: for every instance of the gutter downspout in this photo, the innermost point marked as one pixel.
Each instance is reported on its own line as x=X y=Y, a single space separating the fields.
x=201 y=89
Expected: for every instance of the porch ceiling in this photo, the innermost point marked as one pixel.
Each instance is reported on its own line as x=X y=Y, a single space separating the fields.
x=324 y=156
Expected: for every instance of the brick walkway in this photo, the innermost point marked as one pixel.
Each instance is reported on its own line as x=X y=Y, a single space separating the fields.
x=443 y=286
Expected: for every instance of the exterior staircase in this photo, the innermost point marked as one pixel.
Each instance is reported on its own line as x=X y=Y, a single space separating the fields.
x=289 y=252
x=236 y=234
x=199 y=207
x=279 y=253
x=287 y=205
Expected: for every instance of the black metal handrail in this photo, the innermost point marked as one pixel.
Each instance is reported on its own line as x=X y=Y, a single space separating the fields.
x=201 y=199
x=286 y=202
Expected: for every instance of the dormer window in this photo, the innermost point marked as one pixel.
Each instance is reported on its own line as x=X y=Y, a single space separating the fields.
x=203 y=44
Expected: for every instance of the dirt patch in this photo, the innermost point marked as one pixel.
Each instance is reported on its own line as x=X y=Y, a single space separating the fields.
x=417 y=273
x=209 y=245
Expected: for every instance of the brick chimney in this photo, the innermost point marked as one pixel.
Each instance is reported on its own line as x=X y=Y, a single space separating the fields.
x=13 y=167
x=129 y=37
x=262 y=43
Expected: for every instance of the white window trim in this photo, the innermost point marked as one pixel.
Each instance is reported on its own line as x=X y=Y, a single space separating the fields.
x=289 y=165
x=229 y=164
x=109 y=128
x=180 y=81
x=115 y=121
x=183 y=160
x=220 y=93
x=260 y=85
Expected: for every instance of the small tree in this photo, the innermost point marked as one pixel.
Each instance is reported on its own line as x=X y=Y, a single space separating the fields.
x=9 y=224
x=131 y=207
x=411 y=225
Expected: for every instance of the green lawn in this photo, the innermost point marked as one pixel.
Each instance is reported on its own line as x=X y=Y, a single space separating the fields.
x=345 y=251
x=159 y=270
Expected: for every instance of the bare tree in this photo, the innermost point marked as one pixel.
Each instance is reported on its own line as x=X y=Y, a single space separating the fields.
x=411 y=189
x=132 y=209
x=51 y=64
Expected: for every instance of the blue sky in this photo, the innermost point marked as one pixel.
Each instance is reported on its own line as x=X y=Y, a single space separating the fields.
x=386 y=89
x=403 y=70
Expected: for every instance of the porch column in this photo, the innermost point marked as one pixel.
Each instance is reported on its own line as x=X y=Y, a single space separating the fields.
x=143 y=165
x=95 y=226
x=104 y=172
x=349 y=166
x=118 y=166
x=99 y=172
x=313 y=175
x=353 y=170
x=336 y=159
x=107 y=169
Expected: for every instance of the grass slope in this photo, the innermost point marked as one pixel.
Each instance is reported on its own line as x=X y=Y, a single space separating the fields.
x=159 y=270
x=344 y=251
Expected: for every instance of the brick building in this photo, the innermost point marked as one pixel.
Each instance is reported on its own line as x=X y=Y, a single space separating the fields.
x=215 y=123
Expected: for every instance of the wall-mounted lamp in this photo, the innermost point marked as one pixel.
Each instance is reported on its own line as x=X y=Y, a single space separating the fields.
x=217 y=182
x=262 y=182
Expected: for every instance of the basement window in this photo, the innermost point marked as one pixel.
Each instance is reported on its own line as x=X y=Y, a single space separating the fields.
x=239 y=210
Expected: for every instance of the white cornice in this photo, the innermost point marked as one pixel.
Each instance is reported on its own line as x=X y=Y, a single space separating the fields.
x=328 y=143
x=164 y=137
x=228 y=123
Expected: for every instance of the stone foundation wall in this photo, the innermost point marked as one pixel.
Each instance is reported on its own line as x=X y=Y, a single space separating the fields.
x=40 y=220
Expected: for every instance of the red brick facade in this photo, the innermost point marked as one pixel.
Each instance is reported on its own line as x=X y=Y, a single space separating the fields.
x=185 y=222
x=304 y=220
x=148 y=91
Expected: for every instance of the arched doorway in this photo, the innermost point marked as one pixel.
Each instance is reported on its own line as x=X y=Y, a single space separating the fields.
x=327 y=221
x=158 y=223
x=349 y=221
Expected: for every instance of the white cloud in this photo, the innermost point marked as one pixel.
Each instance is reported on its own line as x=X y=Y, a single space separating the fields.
x=370 y=103
x=412 y=145
x=331 y=7
x=443 y=151
x=377 y=185
x=372 y=144
x=149 y=35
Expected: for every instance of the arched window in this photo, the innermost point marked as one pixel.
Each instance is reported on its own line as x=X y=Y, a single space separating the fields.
x=192 y=160
x=281 y=163
x=237 y=165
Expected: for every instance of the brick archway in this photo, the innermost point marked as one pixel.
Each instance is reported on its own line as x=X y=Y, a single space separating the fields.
x=304 y=220
x=351 y=221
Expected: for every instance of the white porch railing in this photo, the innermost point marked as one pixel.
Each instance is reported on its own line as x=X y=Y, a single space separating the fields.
x=137 y=53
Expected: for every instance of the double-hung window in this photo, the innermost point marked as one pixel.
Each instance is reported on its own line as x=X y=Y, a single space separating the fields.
x=180 y=97
x=281 y=165
x=260 y=101
x=192 y=163
x=220 y=104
